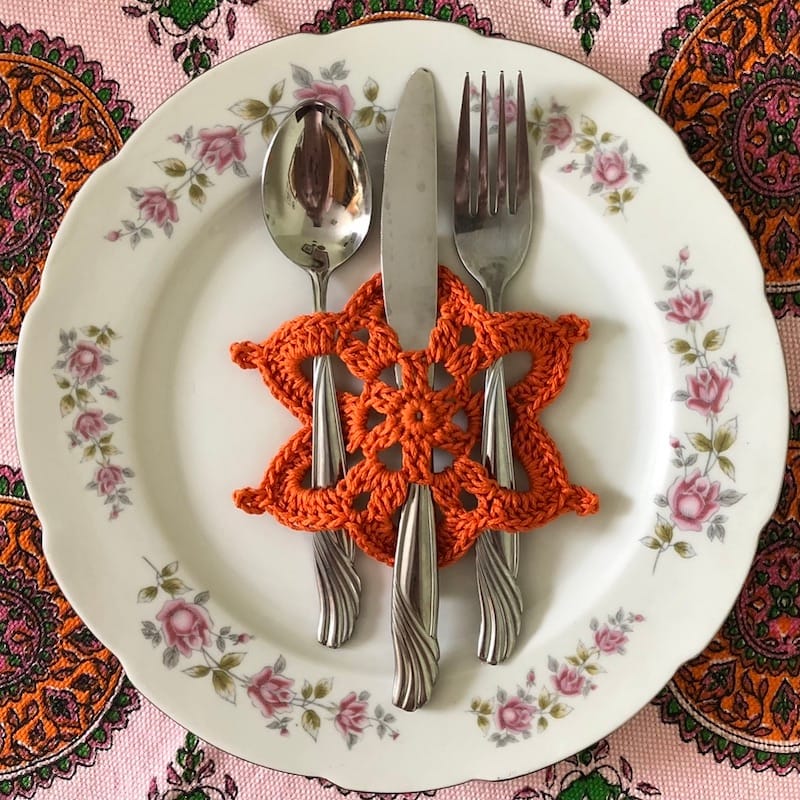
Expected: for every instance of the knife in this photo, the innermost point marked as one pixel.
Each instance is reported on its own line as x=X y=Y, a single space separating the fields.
x=409 y=266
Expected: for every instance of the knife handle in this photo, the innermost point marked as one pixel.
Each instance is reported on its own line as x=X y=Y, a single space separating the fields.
x=497 y=552
x=415 y=601
x=338 y=584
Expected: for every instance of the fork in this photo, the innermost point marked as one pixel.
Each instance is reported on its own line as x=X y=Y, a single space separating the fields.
x=492 y=232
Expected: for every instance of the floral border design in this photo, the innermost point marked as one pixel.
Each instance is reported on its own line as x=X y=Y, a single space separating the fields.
x=587 y=15
x=586 y=20
x=190 y=24
x=616 y=172
x=694 y=499
x=190 y=775
x=223 y=148
x=79 y=370
x=342 y=13
x=589 y=775
x=509 y=716
x=186 y=631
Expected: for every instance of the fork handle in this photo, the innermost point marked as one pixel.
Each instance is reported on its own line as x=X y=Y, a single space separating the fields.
x=338 y=584
x=497 y=552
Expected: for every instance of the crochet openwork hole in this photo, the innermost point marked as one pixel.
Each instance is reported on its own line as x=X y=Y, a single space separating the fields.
x=397 y=428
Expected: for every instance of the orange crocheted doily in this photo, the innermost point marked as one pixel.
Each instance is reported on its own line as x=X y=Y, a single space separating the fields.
x=418 y=418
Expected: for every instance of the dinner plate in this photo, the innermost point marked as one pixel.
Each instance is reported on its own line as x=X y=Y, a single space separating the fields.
x=135 y=427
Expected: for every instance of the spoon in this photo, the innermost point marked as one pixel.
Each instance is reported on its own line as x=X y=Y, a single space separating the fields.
x=317 y=200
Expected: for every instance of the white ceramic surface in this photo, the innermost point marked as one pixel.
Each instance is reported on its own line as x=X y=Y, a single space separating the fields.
x=620 y=219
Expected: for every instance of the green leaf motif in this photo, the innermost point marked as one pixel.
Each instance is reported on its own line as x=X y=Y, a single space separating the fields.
x=560 y=710
x=726 y=465
x=224 y=685
x=198 y=671
x=371 y=90
x=231 y=660
x=276 y=92
x=684 y=550
x=679 y=346
x=174 y=586
x=67 y=404
x=197 y=196
x=726 y=435
x=310 y=723
x=307 y=690
x=173 y=167
x=364 y=117
x=268 y=127
x=84 y=395
x=700 y=442
x=588 y=126
x=323 y=688
x=594 y=786
x=664 y=531
x=651 y=542
x=713 y=340
x=147 y=595
x=483 y=724
x=252 y=109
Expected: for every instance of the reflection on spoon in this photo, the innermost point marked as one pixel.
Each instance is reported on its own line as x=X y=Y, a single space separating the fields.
x=317 y=201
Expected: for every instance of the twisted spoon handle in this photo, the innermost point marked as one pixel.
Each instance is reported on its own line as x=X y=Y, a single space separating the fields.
x=496 y=552
x=338 y=584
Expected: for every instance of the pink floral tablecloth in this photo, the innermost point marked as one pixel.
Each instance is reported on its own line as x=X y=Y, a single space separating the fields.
x=77 y=78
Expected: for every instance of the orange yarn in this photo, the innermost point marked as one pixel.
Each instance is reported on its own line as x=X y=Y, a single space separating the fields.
x=418 y=418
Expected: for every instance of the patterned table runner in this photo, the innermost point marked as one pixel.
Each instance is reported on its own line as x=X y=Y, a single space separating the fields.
x=75 y=81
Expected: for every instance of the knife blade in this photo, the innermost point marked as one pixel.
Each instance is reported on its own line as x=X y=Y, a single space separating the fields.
x=409 y=266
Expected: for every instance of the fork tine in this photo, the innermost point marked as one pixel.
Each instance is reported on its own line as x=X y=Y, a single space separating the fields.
x=462 y=177
x=501 y=196
x=483 y=155
x=523 y=171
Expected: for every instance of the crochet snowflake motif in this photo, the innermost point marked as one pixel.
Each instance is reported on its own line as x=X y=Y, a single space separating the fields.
x=419 y=419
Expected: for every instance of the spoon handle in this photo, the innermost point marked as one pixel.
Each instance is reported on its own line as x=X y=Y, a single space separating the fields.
x=497 y=552
x=338 y=584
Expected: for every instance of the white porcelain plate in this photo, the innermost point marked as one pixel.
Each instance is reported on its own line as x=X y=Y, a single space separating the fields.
x=135 y=427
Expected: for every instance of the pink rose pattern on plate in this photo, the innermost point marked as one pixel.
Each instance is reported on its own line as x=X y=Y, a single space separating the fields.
x=615 y=172
x=511 y=716
x=78 y=370
x=694 y=500
x=221 y=149
x=186 y=631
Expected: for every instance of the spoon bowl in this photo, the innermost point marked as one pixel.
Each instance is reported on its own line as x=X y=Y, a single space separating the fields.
x=316 y=190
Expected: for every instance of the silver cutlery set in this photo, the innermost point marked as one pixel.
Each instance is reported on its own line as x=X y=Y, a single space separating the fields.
x=316 y=193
